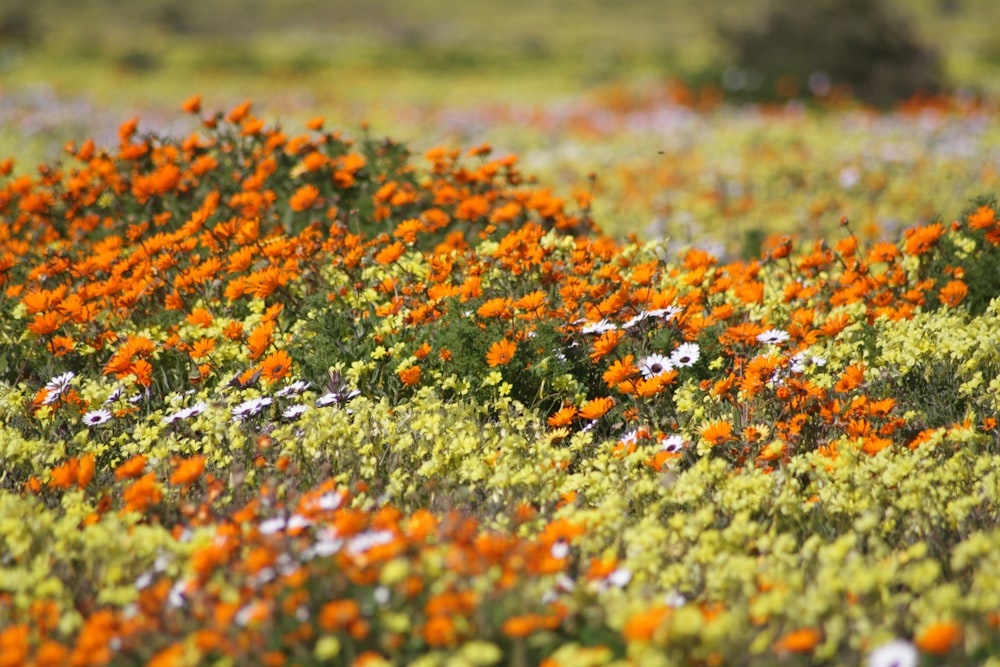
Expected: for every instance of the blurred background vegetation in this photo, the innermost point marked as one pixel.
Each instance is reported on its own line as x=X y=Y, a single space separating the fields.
x=532 y=76
x=449 y=51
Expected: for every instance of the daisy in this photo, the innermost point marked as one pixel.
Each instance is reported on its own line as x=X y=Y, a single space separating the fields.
x=667 y=313
x=118 y=392
x=620 y=577
x=686 y=354
x=252 y=407
x=773 y=337
x=672 y=444
x=185 y=413
x=800 y=362
x=334 y=397
x=56 y=386
x=328 y=399
x=644 y=315
x=294 y=411
x=195 y=409
x=294 y=389
x=359 y=544
x=897 y=653
x=600 y=327
x=630 y=438
x=655 y=364
x=97 y=417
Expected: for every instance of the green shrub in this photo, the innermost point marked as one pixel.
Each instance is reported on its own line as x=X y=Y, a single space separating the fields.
x=864 y=46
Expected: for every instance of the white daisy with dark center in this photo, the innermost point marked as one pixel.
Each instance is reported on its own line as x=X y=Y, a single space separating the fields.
x=672 y=444
x=251 y=407
x=897 y=653
x=655 y=364
x=686 y=354
x=97 y=417
x=56 y=386
x=773 y=337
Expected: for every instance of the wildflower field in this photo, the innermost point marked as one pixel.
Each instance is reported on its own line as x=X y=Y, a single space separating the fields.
x=283 y=396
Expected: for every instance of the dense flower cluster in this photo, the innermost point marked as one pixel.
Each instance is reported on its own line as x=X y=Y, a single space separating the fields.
x=290 y=399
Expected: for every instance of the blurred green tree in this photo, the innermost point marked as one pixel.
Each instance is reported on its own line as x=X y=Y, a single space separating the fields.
x=812 y=46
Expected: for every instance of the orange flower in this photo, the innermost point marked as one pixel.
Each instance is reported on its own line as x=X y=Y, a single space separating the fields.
x=563 y=417
x=259 y=339
x=339 y=614
x=642 y=627
x=390 y=253
x=200 y=317
x=45 y=323
x=939 y=638
x=596 y=408
x=132 y=468
x=410 y=376
x=852 y=377
x=305 y=197
x=142 y=493
x=64 y=476
x=953 y=293
x=835 y=324
x=440 y=631
x=51 y=654
x=277 y=366
x=499 y=307
x=143 y=372
x=61 y=345
x=799 y=641
x=14 y=645
x=201 y=348
x=85 y=471
x=717 y=432
x=192 y=104
x=620 y=370
x=472 y=208
x=526 y=624
x=983 y=217
x=604 y=345
x=921 y=239
x=500 y=353
x=188 y=470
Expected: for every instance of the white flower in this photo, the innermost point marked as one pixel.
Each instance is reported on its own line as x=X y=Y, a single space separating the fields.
x=194 y=410
x=115 y=395
x=559 y=550
x=334 y=397
x=672 y=443
x=655 y=364
x=97 y=417
x=600 y=327
x=675 y=599
x=800 y=363
x=636 y=320
x=56 y=386
x=185 y=413
x=686 y=354
x=294 y=411
x=294 y=388
x=773 y=337
x=365 y=541
x=620 y=577
x=271 y=526
x=630 y=438
x=897 y=653
x=252 y=407
x=667 y=313
x=328 y=399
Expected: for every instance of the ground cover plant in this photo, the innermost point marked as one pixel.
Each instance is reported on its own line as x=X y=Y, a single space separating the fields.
x=284 y=396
